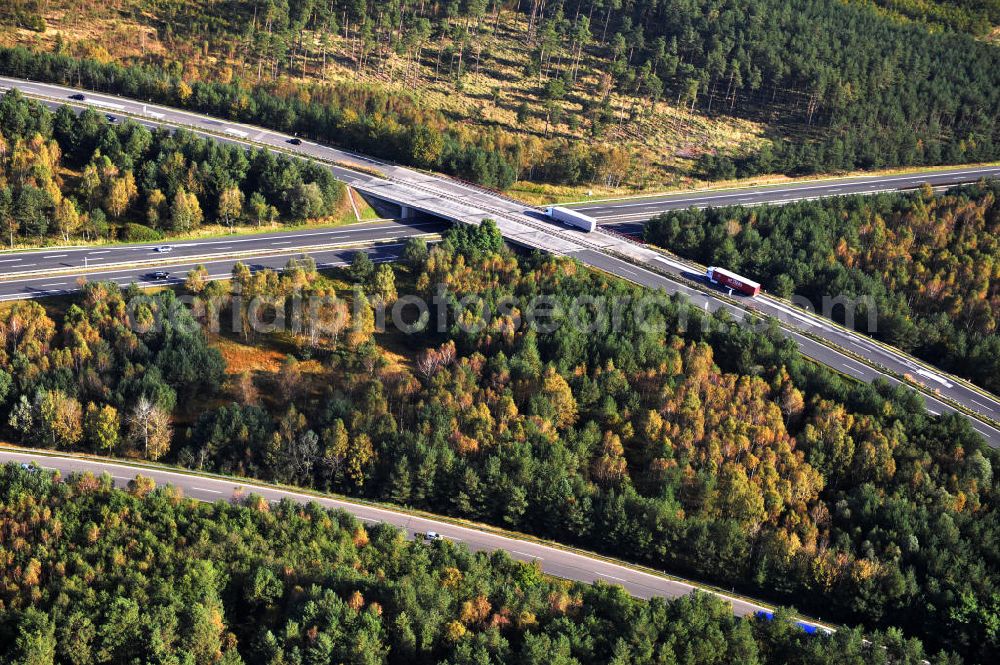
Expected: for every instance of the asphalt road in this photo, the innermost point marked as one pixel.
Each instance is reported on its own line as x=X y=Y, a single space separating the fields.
x=627 y=214
x=570 y=565
x=22 y=263
x=523 y=225
x=810 y=347
x=221 y=268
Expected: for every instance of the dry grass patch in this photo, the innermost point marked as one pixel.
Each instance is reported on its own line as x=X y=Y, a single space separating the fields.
x=662 y=142
x=252 y=358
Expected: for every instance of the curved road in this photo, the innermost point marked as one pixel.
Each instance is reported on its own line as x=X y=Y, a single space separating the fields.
x=572 y=565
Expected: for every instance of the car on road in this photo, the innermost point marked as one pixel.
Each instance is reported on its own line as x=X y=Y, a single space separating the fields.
x=27 y=467
x=431 y=536
x=160 y=275
x=295 y=141
x=111 y=118
x=163 y=249
x=78 y=97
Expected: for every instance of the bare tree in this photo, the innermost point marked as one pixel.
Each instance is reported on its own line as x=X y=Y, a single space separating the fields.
x=149 y=427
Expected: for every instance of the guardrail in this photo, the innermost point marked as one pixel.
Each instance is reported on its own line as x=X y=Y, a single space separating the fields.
x=750 y=309
x=579 y=239
x=168 y=261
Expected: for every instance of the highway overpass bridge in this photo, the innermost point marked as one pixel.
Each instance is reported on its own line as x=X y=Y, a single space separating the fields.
x=845 y=351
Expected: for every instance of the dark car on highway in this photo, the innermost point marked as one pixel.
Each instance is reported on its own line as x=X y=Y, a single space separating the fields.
x=78 y=97
x=160 y=274
x=295 y=141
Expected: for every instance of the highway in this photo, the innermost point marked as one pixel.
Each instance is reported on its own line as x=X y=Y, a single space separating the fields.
x=62 y=259
x=526 y=226
x=564 y=563
x=808 y=345
x=627 y=215
x=220 y=268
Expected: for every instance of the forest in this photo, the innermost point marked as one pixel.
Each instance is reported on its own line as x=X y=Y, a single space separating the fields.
x=93 y=574
x=930 y=264
x=65 y=177
x=691 y=444
x=558 y=91
x=977 y=17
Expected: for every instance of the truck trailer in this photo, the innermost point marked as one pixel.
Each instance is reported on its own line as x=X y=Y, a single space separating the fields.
x=733 y=281
x=572 y=218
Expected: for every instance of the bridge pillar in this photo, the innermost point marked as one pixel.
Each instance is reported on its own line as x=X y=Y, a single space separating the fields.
x=406 y=212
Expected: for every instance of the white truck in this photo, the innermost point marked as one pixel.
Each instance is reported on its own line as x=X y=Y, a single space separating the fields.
x=572 y=218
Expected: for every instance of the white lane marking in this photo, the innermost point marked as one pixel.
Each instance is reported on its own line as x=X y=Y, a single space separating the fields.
x=672 y=264
x=610 y=577
x=532 y=556
x=203 y=489
x=132 y=273
x=933 y=412
x=104 y=104
x=985 y=406
x=287 y=242
x=9 y=260
x=792 y=189
x=852 y=368
x=934 y=377
x=45 y=286
x=102 y=251
x=235 y=132
x=55 y=256
x=801 y=317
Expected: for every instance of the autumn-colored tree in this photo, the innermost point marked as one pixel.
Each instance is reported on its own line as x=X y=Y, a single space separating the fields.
x=196 y=280
x=121 y=194
x=230 y=205
x=362 y=320
x=246 y=389
x=149 y=428
x=102 y=427
x=611 y=465
x=383 y=289
x=58 y=419
x=560 y=396
x=8 y=220
x=67 y=218
x=156 y=202
x=185 y=211
x=25 y=329
x=290 y=380
x=326 y=318
x=360 y=454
